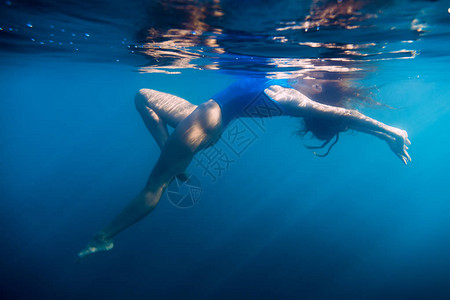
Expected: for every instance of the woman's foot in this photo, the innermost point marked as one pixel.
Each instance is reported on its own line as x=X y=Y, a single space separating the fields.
x=97 y=244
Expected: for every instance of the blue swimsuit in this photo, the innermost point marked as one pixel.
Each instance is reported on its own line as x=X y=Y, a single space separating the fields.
x=244 y=96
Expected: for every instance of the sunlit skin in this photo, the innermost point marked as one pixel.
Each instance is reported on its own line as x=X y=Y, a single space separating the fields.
x=198 y=127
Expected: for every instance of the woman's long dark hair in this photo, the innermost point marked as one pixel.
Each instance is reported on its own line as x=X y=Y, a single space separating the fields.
x=340 y=93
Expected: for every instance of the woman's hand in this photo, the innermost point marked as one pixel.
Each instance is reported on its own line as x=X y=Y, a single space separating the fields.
x=399 y=142
x=98 y=243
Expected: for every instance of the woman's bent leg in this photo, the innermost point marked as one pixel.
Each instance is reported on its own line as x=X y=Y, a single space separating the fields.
x=158 y=109
x=155 y=125
x=194 y=133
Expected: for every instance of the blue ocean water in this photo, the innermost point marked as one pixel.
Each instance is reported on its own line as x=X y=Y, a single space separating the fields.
x=279 y=222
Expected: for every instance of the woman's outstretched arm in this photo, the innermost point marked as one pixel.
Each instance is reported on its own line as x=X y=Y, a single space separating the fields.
x=298 y=105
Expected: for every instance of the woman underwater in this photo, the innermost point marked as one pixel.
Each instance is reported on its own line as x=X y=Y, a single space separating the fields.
x=198 y=127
